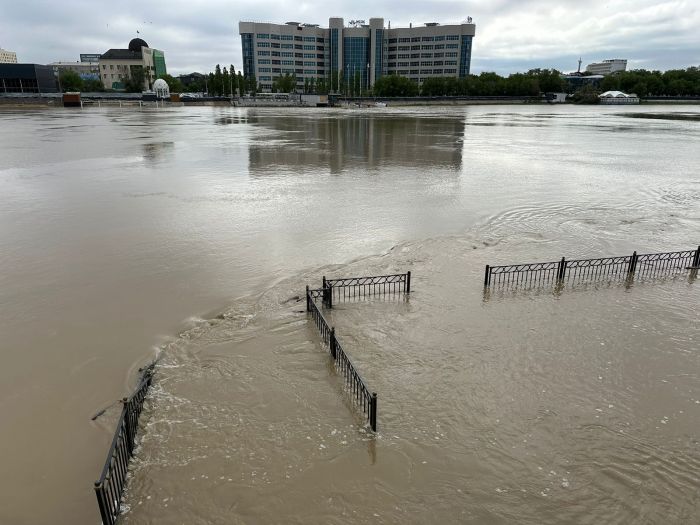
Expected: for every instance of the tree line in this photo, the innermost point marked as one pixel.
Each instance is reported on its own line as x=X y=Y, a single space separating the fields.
x=227 y=82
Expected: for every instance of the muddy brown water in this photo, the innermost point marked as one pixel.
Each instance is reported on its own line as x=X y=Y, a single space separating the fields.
x=124 y=234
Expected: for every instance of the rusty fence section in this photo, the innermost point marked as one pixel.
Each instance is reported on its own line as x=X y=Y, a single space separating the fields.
x=625 y=267
x=110 y=486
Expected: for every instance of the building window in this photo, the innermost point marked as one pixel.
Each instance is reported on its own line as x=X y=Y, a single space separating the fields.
x=404 y=39
x=264 y=70
x=262 y=35
x=309 y=55
x=275 y=53
x=452 y=54
x=451 y=46
x=274 y=37
x=426 y=63
x=287 y=54
x=287 y=37
x=427 y=38
x=415 y=39
x=452 y=37
x=263 y=44
x=440 y=38
x=404 y=48
x=415 y=48
x=264 y=61
x=309 y=39
x=425 y=47
x=426 y=55
x=263 y=53
x=298 y=39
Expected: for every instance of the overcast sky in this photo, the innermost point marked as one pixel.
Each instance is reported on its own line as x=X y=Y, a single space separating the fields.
x=511 y=35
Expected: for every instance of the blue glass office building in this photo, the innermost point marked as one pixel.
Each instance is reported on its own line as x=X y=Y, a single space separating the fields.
x=358 y=54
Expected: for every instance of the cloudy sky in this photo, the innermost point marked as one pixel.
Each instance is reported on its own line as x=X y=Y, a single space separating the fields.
x=511 y=35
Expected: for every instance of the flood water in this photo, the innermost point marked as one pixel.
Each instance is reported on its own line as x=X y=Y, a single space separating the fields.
x=189 y=233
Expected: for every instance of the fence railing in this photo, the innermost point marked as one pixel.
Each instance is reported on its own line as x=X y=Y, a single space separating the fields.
x=356 y=386
x=626 y=266
x=110 y=486
x=361 y=287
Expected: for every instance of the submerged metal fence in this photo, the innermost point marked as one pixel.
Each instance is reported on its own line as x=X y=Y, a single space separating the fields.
x=110 y=486
x=362 y=396
x=626 y=266
x=346 y=289
x=351 y=288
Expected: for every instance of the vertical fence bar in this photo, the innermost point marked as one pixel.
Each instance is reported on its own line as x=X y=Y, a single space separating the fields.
x=308 y=298
x=373 y=412
x=102 y=503
x=332 y=343
x=633 y=263
x=408 y=282
x=487 y=276
x=561 y=271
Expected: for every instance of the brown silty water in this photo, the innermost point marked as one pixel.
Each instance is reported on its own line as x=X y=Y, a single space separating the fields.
x=544 y=405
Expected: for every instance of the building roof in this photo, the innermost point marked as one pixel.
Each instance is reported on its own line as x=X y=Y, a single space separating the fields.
x=616 y=94
x=122 y=54
x=136 y=44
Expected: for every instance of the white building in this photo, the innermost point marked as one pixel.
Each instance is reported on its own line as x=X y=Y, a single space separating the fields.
x=362 y=51
x=607 y=67
x=7 y=57
x=117 y=65
x=618 y=97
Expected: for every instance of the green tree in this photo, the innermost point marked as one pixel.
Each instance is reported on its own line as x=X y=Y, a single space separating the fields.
x=70 y=81
x=285 y=84
x=173 y=83
x=395 y=86
x=134 y=83
x=92 y=86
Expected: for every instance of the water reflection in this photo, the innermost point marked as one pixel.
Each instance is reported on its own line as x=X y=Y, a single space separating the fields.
x=364 y=141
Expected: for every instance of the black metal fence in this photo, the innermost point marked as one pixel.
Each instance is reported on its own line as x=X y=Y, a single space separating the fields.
x=351 y=288
x=348 y=289
x=110 y=486
x=626 y=266
x=356 y=386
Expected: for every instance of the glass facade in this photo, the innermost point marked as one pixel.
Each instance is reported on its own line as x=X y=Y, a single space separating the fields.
x=248 y=60
x=465 y=56
x=356 y=59
x=378 y=54
x=159 y=63
x=334 y=50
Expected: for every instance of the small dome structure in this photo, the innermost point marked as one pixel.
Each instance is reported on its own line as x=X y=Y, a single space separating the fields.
x=161 y=88
x=136 y=44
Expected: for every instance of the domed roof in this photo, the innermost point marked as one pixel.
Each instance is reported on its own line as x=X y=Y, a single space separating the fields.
x=160 y=84
x=136 y=44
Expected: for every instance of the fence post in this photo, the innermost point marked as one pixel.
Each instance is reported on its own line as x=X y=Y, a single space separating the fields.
x=408 y=282
x=127 y=425
x=308 y=306
x=101 y=502
x=327 y=294
x=696 y=259
x=373 y=412
x=487 y=276
x=562 y=269
x=633 y=263
x=332 y=343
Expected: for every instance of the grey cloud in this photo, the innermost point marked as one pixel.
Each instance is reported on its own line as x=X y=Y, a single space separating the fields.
x=512 y=35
